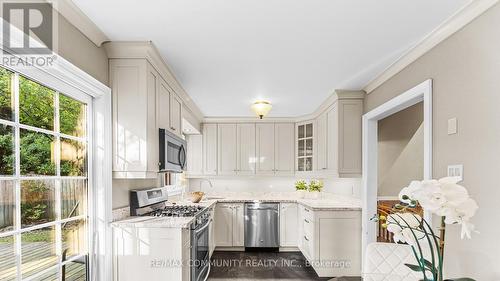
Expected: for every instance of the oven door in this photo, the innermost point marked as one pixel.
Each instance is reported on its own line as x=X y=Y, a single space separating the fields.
x=172 y=152
x=200 y=266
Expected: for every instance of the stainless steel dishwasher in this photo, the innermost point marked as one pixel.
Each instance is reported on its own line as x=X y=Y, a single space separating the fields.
x=262 y=225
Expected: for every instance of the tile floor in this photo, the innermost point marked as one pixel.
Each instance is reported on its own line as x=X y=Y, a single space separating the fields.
x=264 y=266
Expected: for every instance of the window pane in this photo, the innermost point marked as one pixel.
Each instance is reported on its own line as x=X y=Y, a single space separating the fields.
x=73 y=198
x=301 y=164
x=301 y=150
x=7 y=258
x=37 y=202
x=38 y=251
x=51 y=275
x=301 y=131
x=37 y=154
x=72 y=116
x=309 y=130
x=7 y=206
x=6 y=106
x=76 y=271
x=74 y=238
x=308 y=165
x=309 y=147
x=6 y=150
x=36 y=104
x=73 y=158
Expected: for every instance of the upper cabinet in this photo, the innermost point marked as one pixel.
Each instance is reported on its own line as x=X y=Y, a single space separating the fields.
x=209 y=149
x=305 y=146
x=227 y=149
x=143 y=102
x=134 y=85
x=338 y=136
x=245 y=149
x=275 y=148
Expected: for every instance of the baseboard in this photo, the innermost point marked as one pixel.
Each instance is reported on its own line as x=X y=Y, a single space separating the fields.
x=230 y=249
x=289 y=249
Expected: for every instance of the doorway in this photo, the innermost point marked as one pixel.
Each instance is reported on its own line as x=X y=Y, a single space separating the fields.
x=421 y=93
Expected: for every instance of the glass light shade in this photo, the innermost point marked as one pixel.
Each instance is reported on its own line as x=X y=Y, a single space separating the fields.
x=261 y=108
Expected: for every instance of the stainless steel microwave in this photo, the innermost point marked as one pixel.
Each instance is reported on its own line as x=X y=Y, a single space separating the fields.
x=172 y=152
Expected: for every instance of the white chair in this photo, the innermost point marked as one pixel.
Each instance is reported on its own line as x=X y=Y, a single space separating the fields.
x=386 y=262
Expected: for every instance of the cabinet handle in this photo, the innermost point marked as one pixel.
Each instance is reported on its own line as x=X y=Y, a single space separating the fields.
x=307 y=210
x=306 y=221
x=172 y=128
x=305 y=237
x=323 y=168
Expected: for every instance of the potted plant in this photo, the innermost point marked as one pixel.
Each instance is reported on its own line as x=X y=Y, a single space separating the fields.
x=315 y=187
x=444 y=198
x=301 y=188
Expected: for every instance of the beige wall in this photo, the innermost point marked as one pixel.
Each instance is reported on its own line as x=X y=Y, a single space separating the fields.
x=466 y=73
x=80 y=51
x=400 y=150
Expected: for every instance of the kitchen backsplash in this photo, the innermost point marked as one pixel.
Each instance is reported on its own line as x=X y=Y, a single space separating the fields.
x=348 y=186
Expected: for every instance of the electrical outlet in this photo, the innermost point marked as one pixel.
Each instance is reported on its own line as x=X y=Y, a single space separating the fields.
x=456 y=171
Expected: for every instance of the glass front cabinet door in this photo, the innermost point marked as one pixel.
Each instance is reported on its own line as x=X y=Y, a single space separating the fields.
x=305 y=146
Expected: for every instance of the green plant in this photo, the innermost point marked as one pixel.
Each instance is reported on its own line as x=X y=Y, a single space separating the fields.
x=300 y=185
x=315 y=186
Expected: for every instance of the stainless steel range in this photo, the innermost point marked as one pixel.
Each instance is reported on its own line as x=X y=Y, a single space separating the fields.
x=154 y=202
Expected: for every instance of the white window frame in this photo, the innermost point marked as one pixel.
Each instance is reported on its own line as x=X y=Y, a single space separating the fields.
x=66 y=78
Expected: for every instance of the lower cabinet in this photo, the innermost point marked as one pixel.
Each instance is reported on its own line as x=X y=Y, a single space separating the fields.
x=229 y=225
x=211 y=233
x=288 y=224
x=144 y=253
x=331 y=241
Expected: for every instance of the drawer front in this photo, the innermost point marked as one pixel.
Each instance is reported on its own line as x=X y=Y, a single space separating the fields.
x=308 y=227
x=307 y=213
x=308 y=247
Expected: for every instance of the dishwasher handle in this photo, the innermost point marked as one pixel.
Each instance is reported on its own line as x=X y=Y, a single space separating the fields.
x=262 y=208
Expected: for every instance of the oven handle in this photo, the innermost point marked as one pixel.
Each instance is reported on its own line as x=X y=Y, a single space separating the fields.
x=208 y=271
x=203 y=228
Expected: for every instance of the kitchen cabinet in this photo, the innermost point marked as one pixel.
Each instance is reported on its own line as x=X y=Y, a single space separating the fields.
x=143 y=102
x=229 y=225
x=209 y=149
x=284 y=147
x=194 y=155
x=134 y=258
x=245 y=149
x=227 y=149
x=288 y=224
x=338 y=137
x=175 y=114
x=331 y=235
x=211 y=231
x=134 y=85
x=265 y=149
x=305 y=146
x=275 y=149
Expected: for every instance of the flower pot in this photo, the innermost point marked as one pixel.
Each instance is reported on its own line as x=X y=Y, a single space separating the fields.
x=313 y=195
x=300 y=194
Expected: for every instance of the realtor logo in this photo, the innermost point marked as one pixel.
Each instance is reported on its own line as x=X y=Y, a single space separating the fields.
x=35 y=20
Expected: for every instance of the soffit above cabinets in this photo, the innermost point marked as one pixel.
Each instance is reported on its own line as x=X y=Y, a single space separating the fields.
x=227 y=54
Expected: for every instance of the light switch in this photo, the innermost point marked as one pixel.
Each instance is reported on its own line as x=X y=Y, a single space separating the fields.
x=456 y=171
x=452 y=126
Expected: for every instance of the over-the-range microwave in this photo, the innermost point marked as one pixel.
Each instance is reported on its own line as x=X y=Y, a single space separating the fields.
x=172 y=152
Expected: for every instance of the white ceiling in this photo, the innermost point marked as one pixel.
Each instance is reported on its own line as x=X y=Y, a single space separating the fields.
x=228 y=53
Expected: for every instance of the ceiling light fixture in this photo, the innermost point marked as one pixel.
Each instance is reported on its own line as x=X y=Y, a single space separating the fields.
x=261 y=108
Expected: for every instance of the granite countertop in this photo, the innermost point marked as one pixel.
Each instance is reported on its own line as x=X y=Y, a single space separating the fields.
x=327 y=202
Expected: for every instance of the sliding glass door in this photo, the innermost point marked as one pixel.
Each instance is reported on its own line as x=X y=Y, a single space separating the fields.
x=44 y=187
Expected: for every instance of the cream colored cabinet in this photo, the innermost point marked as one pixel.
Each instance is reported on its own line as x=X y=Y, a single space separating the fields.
x=163 y=105
x=338 y=137
x=305 y=146
x=265 y=149
x=175 y=114
x=194 y=155
x=245 y=149
x=275 y=149
x=288 y=224
x=209 y=149
x=284 y=147
x=326 y=236
x=229 y=225
x=322 y=142
x=227 y=149
x=134 y=85
x=211 y=230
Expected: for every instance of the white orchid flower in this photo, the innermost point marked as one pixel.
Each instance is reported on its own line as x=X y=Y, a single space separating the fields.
x=409 y=192
x=430 y=196
x=401 y=226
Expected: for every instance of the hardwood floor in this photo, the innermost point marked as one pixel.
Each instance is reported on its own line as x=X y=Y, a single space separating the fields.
x=263 y=266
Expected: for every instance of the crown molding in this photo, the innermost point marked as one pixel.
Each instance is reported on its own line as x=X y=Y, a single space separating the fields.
x=77 y=18
x=456 y=22
x=147 y=50
x=331 y=100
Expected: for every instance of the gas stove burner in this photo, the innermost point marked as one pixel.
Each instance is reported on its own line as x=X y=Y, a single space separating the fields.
x=177 y=211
